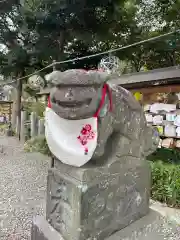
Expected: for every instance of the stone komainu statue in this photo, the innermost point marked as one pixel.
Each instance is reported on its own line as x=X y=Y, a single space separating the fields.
x=116 y=119
x=101 y=181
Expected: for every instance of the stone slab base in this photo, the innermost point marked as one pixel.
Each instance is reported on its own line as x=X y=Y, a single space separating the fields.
x=42 y=230
x=152 y=226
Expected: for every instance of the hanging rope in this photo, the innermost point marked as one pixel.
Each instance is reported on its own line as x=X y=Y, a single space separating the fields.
x=93 y=55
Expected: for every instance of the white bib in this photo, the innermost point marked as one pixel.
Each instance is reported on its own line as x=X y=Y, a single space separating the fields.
x=73 y=142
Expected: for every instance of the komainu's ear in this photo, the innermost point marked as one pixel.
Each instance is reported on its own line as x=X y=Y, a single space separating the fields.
x=53 y=78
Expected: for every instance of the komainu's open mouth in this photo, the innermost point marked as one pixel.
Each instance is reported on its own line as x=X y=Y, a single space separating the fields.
x=71 y=104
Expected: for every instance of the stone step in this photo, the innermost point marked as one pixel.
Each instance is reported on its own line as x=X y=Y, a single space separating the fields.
x=151 y=227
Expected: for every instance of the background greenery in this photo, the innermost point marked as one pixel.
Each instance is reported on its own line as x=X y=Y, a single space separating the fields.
x=166 y=176
x=38 y=107
x=37 y=144
x=166 y=183
x=36 y=32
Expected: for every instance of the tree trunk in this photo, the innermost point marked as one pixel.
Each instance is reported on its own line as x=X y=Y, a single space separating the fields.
x=14 y=108
x=61 y=41
x=19 y=94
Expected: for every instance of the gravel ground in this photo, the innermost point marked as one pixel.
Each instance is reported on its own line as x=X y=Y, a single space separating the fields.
x=22 y=189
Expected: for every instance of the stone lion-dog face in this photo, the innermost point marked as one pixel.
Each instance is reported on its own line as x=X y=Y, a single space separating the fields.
x=75 y=93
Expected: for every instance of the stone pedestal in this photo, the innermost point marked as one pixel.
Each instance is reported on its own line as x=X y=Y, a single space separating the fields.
x=93 y=202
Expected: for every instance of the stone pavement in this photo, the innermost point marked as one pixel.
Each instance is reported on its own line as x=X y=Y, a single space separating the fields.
x=23 y=195
x=151 y=227
x=173 y=214
x=22 y=189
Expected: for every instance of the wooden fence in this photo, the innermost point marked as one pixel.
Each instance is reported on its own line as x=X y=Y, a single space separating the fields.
x=31 y=126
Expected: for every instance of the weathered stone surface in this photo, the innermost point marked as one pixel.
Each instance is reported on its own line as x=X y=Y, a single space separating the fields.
x=152 y=226
x=42 y=230
x=75 y=95
x=112 y=190
x=94 y=202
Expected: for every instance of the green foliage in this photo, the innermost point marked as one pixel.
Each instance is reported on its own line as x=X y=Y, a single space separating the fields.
x=3 y=126
x=166 y=183
x=37 y=144
x=30 y=91
x=165 y=155
x=37 y=32
x=166 y=176
x=38 y=107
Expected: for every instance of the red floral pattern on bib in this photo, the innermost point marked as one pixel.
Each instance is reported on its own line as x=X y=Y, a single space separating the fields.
x=86 y=134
